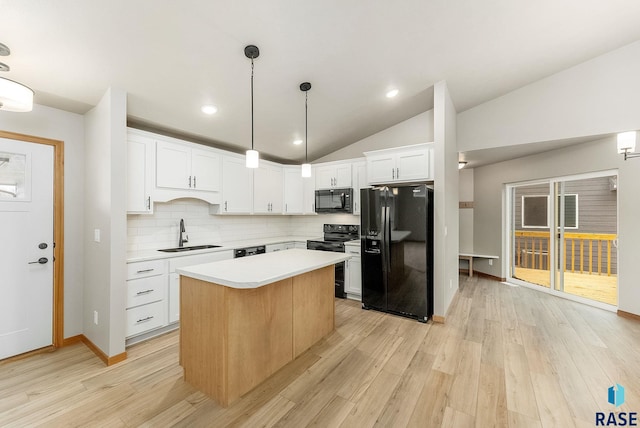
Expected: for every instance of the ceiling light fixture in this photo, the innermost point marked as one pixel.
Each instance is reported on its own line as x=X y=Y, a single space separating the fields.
x=253 y=157
x=306 y=166
x=14 y=96
x=462 y=164
x=209 y=109
x=392 y=93
x=627 y=144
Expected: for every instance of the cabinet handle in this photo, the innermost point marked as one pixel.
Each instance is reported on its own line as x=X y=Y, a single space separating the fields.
x=140 y=293
x=144 y=319
x=397 y=172
x=393 y=173
x=194 y=182
x=145 y=270
x=225 y=205
x=148 y=202
x=286 y=207
x=189 y=182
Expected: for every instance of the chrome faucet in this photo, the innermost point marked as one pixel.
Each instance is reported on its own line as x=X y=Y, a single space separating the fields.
x=185 y=238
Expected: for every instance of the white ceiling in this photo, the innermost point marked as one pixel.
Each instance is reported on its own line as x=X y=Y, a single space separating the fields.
x=173 y=56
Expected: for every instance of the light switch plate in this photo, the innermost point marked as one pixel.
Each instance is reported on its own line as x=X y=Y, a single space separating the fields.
x=96 y=235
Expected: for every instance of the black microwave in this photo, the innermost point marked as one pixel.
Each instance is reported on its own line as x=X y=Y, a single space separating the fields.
x=334 y=201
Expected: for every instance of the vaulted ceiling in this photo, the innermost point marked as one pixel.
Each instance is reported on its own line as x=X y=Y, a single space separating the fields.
x=174 y=56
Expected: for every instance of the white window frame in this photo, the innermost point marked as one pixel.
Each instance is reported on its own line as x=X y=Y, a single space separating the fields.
x=522 y=212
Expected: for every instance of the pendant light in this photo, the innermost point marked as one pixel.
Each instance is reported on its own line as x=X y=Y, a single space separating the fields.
x=14 y=96
x=253 y=157
x=306 y=166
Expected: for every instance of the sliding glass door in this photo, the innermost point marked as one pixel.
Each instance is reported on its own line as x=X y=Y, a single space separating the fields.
x=580 y=258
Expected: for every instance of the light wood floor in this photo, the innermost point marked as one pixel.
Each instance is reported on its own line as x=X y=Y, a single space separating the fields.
x=601 y=288
x=507 y=356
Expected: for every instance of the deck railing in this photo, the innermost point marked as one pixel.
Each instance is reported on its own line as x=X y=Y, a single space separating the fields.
x=583 y=252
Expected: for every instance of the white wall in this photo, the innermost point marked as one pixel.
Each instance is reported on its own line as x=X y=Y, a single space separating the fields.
x=105 y=210
x=446 y=223
x=594 y=156
x=416 y=130
x=596 y=97
x=68 y=127
x=465 y=193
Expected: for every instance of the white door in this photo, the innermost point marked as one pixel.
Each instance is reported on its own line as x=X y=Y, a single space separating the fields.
x=293 y=191
x=205 y=167
x=173 y=166
x=26 y=247
x=412 y=165
x=237 y=186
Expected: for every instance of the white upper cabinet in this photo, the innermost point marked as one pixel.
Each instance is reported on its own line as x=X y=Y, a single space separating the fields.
x=184 y=167
x=205 y=170
x=333 y=176
x=267 y=189
x=402 y=164
x=309 y=194
x=359 y=182
x=293 y=190
x=237 y=186
x=140 y=172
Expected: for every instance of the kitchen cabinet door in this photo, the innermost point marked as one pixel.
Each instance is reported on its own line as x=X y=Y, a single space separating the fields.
x=173 y=165
x=174 y=297
x=309 y=194
x=205 y=170
x=412 y=165
x=343 y=175
x=359 y=182
x=140 y=172
x=293 y=190
x=381 y=169
x=237 y=186
x=353 y=283
x=325 y=177
x=267 y=185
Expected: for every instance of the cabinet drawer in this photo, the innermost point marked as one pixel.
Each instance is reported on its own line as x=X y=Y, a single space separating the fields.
x=146 y=269
x=146 y=290
x=352 y=249
x=146 y=317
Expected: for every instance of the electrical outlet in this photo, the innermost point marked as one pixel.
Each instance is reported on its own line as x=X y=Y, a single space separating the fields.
x=96 y=235
x=95 y=317
x=450 y=283
x=490 y=262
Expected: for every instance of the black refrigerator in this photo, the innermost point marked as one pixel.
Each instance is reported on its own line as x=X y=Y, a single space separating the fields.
x=397 y=250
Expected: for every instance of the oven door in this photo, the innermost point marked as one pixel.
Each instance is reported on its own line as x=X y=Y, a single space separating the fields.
x=334 y=201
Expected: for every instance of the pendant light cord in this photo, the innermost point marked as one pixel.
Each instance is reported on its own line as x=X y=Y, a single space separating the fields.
x=306 y=128
x=252 y=103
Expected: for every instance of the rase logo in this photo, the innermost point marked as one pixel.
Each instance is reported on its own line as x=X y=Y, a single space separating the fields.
x=615 y=396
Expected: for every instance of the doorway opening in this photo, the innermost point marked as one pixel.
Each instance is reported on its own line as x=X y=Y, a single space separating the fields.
x=579 y=259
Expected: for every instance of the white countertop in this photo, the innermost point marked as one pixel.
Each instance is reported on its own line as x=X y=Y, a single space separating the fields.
x=262 y=269
x=146 y=255
x=355 y=243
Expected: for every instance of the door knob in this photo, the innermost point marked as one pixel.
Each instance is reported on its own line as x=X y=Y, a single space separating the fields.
x=42 y=245
x=41 y=260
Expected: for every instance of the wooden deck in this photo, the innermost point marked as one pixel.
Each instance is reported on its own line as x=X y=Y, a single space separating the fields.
x=601 y=288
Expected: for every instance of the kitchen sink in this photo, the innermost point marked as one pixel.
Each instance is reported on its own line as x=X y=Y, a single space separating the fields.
x=192 y=248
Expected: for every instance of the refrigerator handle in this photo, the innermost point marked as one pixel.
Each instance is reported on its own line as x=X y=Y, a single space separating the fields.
x=385 y=224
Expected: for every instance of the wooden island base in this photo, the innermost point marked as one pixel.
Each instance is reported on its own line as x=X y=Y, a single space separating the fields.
x=232 y=339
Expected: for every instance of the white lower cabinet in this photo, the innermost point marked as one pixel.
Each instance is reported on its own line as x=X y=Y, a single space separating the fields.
x=146 y=296
x=174 y=278
x=353 y=274
x=145 y=318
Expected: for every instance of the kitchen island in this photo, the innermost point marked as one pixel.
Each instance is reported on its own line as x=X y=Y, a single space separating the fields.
x=243 y=319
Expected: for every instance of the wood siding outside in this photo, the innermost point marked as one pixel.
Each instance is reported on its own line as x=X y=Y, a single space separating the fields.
x=597 y=214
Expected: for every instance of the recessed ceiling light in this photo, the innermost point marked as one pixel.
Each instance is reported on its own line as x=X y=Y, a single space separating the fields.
x=297 y=142
x=392 y=93
x=209 y=109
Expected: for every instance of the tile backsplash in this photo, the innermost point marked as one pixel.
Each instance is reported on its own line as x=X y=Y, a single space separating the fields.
x=160 y=230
